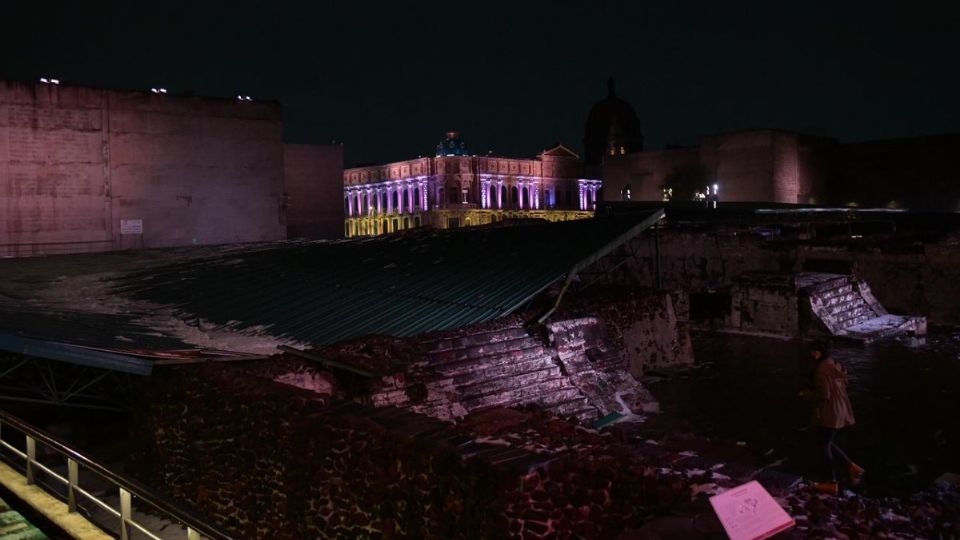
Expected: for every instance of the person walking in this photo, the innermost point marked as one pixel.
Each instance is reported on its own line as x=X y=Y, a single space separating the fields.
x=831 y=413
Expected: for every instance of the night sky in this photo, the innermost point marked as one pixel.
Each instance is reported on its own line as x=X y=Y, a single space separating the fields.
x=387 y=79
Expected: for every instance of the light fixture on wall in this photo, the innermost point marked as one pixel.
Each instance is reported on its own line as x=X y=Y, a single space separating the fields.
x=47 y=80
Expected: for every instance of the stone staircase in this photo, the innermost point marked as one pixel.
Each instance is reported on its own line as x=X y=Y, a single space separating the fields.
x=847 y=308
x=505 y=367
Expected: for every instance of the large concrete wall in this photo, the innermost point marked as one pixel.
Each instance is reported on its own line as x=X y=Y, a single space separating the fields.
x=314 y=189
x=76 y=161
x=761 y=165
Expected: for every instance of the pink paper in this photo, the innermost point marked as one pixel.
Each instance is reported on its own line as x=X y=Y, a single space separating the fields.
x=748 y=512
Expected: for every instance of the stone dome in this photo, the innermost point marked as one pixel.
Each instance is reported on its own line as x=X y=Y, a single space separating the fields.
x=452 y=145
x=612 y=127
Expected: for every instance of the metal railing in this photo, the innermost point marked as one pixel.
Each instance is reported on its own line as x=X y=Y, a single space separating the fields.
x=129 y=489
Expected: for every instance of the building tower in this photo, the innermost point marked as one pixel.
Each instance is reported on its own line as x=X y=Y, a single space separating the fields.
x=612 y=129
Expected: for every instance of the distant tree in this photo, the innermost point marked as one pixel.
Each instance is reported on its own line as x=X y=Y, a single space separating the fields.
x=685 y=181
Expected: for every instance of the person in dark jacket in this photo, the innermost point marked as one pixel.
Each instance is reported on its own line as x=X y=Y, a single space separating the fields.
x=831 y=413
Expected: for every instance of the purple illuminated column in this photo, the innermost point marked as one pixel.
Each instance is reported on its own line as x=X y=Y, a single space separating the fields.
x=349 y=204
x=583 y=197
x=536 y=195
x=500 y=194
x=520 y=195
x=379 y=195
x=409 y=188
x=399 y=198
x=423 y=195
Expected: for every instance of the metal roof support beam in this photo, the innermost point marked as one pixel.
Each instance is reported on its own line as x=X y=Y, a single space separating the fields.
x=74 y=354
x=333 y=364
x=599 y=254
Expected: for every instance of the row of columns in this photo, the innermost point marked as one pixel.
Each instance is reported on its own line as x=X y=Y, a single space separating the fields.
x=532 y=200
x=588 y=194
x=368 y=200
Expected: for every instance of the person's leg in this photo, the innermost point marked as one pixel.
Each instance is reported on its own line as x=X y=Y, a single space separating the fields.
x=825 y=446
x=839 y=454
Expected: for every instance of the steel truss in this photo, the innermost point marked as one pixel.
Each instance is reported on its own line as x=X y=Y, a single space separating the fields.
x=29 y=379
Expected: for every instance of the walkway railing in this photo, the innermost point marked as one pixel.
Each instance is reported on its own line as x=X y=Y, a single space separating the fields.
x=129 y=489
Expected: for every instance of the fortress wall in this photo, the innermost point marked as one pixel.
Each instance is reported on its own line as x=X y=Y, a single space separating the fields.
x=179 y=170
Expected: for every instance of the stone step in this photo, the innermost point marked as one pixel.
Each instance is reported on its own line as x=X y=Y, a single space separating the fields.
x=839 y=300
x=830 y=286
x=525 y=378
x=571 y=407
x=843 y=318
x=459 y=342
x=481 y=350
x=853 y=321
x=467 y=365
x=840 y=295
x=486 y=372
x=557 y=388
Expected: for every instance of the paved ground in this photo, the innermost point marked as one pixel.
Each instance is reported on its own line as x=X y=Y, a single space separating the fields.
x=13 y=526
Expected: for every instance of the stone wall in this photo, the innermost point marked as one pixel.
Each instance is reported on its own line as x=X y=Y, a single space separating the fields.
x=85 y=169
x=641 y=325
x=915 y=278
x=764 y=303
x=267 y=460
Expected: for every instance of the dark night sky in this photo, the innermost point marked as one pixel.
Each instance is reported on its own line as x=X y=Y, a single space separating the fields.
x=387 y=79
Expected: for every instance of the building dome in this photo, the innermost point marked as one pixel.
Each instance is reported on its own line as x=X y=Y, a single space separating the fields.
x=452 y=145
x=612 y=128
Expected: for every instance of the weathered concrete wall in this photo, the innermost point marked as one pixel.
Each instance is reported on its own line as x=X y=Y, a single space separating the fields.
x=764 y=304
x=313 y=183
x=76 y=161
x=914 y=280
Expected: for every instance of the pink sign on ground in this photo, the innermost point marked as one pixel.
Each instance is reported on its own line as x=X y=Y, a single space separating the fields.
x=748 y=512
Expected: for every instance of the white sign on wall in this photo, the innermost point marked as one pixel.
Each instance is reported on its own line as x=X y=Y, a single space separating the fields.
x=131 y=226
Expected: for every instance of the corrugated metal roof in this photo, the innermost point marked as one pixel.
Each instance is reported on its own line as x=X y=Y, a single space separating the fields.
x=322 y=293
x=315 y=293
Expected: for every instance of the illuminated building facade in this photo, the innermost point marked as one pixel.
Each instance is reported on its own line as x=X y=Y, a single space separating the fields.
x=454 y=189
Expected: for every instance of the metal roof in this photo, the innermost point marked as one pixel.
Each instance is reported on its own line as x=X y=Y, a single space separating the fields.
x=325 y=292
x=315 y=293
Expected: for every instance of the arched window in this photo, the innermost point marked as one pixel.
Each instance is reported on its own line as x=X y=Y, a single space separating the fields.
x=526 y=197
x=492 y=201
x=514 y=195
x=416 y=197
x=440 y=196
x=453 y=196
x=396 y=200
x=503 y=197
